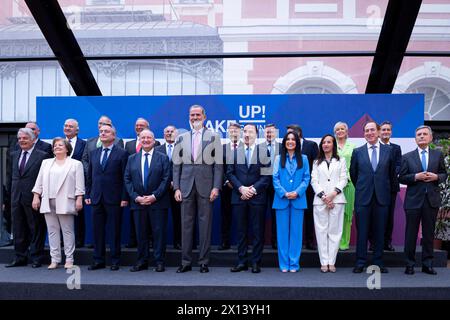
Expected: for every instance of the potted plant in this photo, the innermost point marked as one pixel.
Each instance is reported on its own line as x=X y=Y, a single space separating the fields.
x=442 y=230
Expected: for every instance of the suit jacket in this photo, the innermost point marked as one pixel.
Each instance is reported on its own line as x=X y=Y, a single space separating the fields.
x=206 y=171
x=228 y=157
x=79 y=149
x=326 y=179
x=41 y=145
x=162 y=149
x=91 y=145
x=21 y=185
x=418 y=190
x=157 y=183
x=397 y=150
x=107 y=185
x=366 y=181
x=311 y=150
x=284 y=182
x=257 y=175
x=70 y=185
x=130 y=146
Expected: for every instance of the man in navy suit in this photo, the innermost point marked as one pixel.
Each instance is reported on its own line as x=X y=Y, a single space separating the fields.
x=385 y=136
x=170 y=135
x=132 y=147
x=422 y=170
x=372 y=170
x=105 y=191
x=250 y=178
x=310 y=150
x=71 y=130
x=147 y=179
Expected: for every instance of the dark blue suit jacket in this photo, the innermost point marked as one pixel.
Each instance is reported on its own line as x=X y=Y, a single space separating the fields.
x=107 y=185
x=367 y=182
x=240 y=175
x=418 y=190
x=157 y=183
x=162 y=149
x=397 y=154
x=79 y=149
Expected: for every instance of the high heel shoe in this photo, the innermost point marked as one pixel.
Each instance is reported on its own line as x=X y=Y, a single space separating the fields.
x=68 y=265
x=332 y=268
x=324 y=269
x=52 y=266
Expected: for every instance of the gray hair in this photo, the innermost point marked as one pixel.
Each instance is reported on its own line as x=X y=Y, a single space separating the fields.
x=113 y=129
x=338 y=124
x=424 y=127
x=143 y=119
x=74 y=121
x=198 y=106
x=147 y=130
x=28 y=132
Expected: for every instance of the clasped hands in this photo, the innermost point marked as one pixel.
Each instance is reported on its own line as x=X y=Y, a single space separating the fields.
x=426 y=176
x=328 y=199
x=146 y=200
x=247 y=192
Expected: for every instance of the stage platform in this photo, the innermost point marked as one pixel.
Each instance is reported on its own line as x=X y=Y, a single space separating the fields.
x=309 y=259
x=220 y=283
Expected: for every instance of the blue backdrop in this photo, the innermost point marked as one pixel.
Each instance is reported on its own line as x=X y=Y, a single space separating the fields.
x=317 y=115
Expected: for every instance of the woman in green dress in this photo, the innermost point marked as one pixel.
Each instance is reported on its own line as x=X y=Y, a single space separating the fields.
x=345 y=150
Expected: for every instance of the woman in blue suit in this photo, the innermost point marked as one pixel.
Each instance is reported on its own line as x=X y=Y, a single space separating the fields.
x=290 y=181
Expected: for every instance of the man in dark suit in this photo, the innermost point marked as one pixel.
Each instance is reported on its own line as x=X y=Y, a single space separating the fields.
x=273 y=149
x=28 y=225
x=95 y=142
x=422 y=170
x=250 y=178
x=170 y=134
x=385 y=136
x=147 y=179
x=197 y=180
x=105 y=191
x=372 y=170
x=38 y=143
x=132 y=147
x=310 y=150
x=71 y=130
x=234 y=133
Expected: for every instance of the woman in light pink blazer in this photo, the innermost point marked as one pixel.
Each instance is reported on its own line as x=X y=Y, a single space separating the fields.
x=58 y=192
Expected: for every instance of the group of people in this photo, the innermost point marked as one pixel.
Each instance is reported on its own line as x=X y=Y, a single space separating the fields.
x=308 y=187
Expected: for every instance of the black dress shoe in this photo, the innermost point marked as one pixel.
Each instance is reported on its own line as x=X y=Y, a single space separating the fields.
x=389 y=247
x=358 y=269
x=131 y=245
x=16 y=263
x=409 y=270
x=36 y=265
x=384 y=270
x=223 y=247
x=429 y=270
x=256 y=268
x=204 y=268
x=96 y=266
x=160 y=268
x=114 y=267
x=139 y=267
x=239 y=268
x=177 y=247
x=183 y=269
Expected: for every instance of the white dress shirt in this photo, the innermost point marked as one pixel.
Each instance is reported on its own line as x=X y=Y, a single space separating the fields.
x=28 y=155
x=73 y=142
x=150 y=154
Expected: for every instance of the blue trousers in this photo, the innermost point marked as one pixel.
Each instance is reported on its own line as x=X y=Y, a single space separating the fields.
x=289 y=237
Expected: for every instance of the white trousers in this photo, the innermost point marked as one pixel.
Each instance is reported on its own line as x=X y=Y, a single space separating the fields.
x=56 y=222
x=328 y=224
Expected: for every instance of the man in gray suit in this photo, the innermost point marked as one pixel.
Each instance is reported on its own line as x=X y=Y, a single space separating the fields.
x=197 y=179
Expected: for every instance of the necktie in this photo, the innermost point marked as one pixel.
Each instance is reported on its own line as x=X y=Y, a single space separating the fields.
x=234 y=145
x=269 y=150
x=374 y=157
x=195 y=144
x=247 y=156
x=138 y=146
x=99 y=143
x=146 y=170
x=23 y=162
x=105 y=158
x=169 y=152
x=424 y=160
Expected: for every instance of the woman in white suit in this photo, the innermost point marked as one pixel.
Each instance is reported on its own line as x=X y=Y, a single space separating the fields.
x=328 y=179
x=58 y=192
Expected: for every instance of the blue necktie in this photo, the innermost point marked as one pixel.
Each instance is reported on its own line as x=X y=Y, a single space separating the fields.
x=146 y=170
x=105 y=158
x=169 y=154
x=247 y=156
x=424 y=160
x=374 y=158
